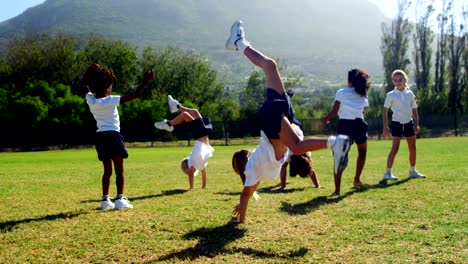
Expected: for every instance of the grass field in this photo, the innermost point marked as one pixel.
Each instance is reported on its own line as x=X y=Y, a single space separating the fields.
x=49 y=210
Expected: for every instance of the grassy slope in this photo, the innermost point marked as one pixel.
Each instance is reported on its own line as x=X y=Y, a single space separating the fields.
x=50 y=200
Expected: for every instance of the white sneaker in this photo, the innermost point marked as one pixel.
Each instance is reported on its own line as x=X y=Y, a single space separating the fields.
x=106 y=203
x=416 y=175
x=340 y=152
x=389 y=176
x=164 y=126
x=237 y=33
x=173 y=103
x=122 y=203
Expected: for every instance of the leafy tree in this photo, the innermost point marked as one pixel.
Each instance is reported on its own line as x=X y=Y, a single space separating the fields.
x=395 y=44
x=456 y=46
x=183 y=74
x=51 y=58
x=114 y=54
x=441 y=53
x=423 y=38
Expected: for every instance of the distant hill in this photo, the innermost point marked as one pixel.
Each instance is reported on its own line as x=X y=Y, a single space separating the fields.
x=321 y=38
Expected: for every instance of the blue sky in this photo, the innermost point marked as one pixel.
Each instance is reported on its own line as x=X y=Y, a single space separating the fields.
x=12 y=8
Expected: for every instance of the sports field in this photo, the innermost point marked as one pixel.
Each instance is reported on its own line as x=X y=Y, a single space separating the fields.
x=49 y=210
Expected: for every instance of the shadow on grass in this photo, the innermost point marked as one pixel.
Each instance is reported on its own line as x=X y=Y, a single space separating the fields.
x=163 y=193
x=269 y=189
x=213 y=242
x=277 y=189
x=10 y=225
x=307 y=207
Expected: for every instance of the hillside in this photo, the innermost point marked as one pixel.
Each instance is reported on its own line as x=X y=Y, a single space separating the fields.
x=320 y=38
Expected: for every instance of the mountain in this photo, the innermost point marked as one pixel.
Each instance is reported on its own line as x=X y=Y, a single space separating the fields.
x=320 y=38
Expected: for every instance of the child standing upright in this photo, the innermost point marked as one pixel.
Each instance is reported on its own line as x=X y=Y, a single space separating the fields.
x=201 y=129
x=405 y=122
x=110 y=145
x=349 y=105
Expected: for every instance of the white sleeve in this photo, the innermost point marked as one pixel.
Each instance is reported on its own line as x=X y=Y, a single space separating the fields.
x=388 y=101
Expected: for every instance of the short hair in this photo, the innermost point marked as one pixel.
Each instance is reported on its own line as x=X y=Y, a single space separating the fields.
x=300 y=164
x=98 y=78
x=184 y=165
x=239 y=161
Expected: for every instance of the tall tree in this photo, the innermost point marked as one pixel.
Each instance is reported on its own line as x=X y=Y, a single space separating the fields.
x=441 y=53
x=456 y=39
x=423 y=38
x=395 y=43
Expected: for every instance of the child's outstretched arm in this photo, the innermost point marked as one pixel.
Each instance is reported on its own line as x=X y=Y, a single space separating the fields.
x=149 y=75
x=240 y=210
x=332 y=113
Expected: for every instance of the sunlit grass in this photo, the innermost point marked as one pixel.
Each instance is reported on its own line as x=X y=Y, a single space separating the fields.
x=50 y=213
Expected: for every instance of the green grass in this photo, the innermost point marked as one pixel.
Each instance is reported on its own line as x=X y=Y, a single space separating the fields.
x=49 y=210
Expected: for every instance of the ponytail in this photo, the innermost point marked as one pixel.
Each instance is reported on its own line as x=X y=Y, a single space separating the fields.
x=360 y=81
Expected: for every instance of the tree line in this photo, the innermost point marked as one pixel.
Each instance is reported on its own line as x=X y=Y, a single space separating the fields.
x=41 y=103
x=440 y=77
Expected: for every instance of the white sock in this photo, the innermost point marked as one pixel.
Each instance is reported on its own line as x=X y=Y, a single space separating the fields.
x=242 y=44
x=412 y=168
x=389 y=170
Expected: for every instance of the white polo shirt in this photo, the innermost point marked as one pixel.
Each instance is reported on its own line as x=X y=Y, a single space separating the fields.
x=402 y=104
x=352 y=104
x=105 y=111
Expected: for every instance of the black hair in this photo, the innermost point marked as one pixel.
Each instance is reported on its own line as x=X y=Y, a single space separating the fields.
x=360 y=81
x=98 y=78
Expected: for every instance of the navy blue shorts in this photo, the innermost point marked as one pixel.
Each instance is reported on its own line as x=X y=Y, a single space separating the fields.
x=110 y=144
x=271 y=113
x=356 y=129
x=201 y=127
x=403 y=130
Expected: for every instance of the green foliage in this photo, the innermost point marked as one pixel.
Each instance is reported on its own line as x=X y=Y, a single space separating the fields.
x=29 y=110
x=406 y=221
x=252 y=97
x=34 y=57
x=395 y=44
x=183 y=74
x=147 y=111
x=117 y=56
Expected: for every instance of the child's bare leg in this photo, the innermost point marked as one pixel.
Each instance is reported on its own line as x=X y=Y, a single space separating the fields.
x=361 y=160
x=393 y=151
x=283 y=173
x=314 y=179
x=240 y=210
x=119 y=174
x=203 y=173
x=269 y=66
x=337 y=177
x=185 y=116
x=105 y=182
x=412 y=150
x=292 y=141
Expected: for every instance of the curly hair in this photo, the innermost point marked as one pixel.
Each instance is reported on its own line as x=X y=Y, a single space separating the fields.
x=300 y=164
x=239 y=160
x=360 y=81
x=98 y=78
